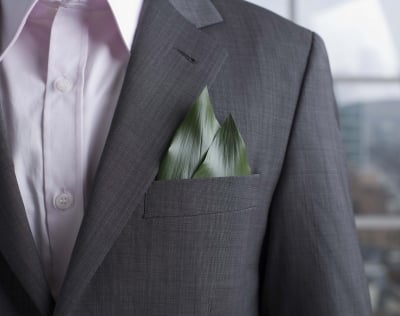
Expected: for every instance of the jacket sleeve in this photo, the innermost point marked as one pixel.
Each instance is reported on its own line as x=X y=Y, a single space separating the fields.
x=311 y=263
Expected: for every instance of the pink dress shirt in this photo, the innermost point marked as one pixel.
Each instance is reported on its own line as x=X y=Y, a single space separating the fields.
x=61 y=73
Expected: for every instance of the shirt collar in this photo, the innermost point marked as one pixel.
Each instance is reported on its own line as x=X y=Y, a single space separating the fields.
x=15 y=13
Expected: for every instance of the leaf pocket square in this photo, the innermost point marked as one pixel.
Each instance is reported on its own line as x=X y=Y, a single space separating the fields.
x=202 y=148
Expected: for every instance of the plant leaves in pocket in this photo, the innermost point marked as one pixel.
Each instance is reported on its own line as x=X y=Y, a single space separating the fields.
x=191 y=140
x=202 y=148
x=227 y=154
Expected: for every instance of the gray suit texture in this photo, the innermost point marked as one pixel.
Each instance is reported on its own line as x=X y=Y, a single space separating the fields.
x=280 y=242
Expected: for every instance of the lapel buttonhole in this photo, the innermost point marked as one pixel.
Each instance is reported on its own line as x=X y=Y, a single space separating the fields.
x=187 y=56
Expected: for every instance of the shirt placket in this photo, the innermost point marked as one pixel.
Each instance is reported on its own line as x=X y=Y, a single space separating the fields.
x=63 y=138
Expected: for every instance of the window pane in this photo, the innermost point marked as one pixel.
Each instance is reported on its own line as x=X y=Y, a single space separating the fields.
x=370 y=125
x=380 y=249
x=278 y=6
x=361 y=35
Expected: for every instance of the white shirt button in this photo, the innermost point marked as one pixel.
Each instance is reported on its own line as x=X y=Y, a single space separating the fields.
x=63 y=84
x=63 y=200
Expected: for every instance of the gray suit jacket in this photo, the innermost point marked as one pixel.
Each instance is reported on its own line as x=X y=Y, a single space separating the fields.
x=280 y=242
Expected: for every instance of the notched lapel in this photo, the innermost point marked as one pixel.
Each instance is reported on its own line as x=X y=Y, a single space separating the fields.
x=160 y=85
x=199 y=12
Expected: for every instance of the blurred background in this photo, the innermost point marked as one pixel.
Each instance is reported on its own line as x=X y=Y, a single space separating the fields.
x=363 y=42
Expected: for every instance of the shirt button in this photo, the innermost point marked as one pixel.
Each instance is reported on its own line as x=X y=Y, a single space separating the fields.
x=63 y=84
x=63 y=200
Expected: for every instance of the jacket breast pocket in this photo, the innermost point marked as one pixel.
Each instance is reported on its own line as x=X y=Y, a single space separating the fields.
x=193 y=197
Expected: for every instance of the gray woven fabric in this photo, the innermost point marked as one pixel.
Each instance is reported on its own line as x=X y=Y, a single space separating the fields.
x=280 y=242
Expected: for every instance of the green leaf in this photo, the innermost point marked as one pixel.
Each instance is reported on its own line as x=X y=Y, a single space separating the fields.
x=191 y=140
x=227 y=154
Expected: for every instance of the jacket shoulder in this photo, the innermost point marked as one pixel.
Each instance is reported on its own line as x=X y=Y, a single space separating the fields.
x=262 y=24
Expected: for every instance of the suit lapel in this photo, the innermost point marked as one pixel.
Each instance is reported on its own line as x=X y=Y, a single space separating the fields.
x=170 y=64
x=16 y=242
